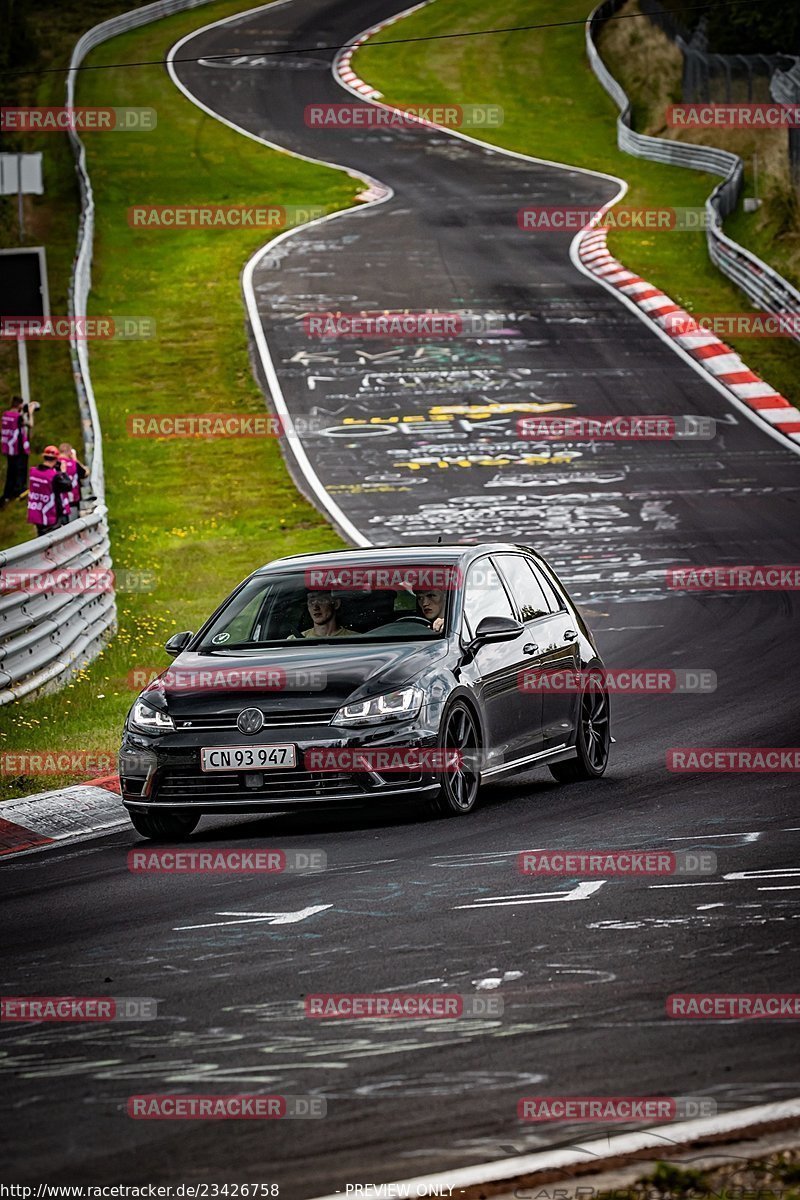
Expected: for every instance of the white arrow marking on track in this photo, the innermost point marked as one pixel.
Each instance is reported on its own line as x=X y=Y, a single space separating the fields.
x=581 y=891
x=272 y=918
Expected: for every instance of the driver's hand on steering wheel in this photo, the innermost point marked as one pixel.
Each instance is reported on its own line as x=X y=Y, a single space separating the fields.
x=438 y=625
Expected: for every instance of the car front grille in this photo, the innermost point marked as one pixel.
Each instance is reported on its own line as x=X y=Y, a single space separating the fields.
x=272 y=720
x=273 y=785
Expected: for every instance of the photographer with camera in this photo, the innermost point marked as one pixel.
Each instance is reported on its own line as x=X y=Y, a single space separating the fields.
x=15 y=444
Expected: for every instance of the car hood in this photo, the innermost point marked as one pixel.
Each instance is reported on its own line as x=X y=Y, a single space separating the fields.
x=319 y=678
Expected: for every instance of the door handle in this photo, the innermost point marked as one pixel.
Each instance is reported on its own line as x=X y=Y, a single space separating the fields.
x=530 y=648
x=570 y=636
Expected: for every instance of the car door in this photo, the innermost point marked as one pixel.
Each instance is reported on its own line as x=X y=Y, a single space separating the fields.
x=498 y=664
x=552 y=644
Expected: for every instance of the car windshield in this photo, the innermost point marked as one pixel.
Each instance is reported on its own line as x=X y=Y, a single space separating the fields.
x=295 y=606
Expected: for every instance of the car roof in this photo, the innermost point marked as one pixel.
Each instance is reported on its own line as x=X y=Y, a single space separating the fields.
x=449 y=552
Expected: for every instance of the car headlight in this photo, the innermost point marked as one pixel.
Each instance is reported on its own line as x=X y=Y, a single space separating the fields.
x=405 y=703
x=150 y=720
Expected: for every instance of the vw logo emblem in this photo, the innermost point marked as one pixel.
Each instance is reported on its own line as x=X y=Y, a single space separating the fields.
x=250 y=720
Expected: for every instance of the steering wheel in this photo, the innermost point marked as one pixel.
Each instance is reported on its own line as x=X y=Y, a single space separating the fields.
x=419 y=620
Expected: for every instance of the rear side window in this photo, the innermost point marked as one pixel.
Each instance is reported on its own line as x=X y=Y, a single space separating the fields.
x=525 y=586
x=553 y=598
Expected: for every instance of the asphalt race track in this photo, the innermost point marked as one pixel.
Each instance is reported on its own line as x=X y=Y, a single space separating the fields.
x=584 y=973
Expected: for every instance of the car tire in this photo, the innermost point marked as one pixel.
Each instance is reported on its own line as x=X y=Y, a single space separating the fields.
x=459 y=789
x=593 y=738
x=164 y=826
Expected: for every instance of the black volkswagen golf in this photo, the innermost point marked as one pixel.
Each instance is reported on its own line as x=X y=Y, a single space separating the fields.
x=360 y=676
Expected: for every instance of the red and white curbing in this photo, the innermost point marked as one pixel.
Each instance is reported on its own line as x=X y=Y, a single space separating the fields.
x=49 y=818
x=343 y=70
x=348 y=74
x=714 y=356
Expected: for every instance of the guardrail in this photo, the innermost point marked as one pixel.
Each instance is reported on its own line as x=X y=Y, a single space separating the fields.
x=764 y=287
x=46 y=635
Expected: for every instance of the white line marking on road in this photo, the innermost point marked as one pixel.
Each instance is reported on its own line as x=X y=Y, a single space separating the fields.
x=272 y=918
x=789 y=887
x=709 y=883
x=581 y=891
x=765 y=873
x=748 y=837
x=742 y=876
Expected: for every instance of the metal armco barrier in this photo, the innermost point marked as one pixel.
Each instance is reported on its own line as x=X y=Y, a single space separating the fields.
x=768 y=290
x=45 y=636
x=49 y=633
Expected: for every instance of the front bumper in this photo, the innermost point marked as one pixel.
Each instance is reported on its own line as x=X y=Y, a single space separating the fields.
x=164 y=773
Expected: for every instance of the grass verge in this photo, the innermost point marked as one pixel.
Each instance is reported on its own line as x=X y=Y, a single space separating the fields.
x=556 y=109
x=50 y=220
x=199 y=514
x=773 y=1177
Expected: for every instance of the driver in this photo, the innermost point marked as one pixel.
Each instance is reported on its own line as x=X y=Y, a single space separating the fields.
x=323 y=608
x=431 y=605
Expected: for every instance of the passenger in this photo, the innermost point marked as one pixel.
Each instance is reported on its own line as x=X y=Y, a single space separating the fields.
x=431 y=605
x=323 y=609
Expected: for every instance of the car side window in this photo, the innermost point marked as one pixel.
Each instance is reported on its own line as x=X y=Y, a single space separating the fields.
x=484 y=595
x=553 y=598
x=524 y=586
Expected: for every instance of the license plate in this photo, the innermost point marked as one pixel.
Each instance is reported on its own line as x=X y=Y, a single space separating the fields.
x=247 y=758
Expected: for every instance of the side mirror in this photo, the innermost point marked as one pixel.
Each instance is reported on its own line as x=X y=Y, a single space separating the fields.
x=178 y=642
x=497 y=629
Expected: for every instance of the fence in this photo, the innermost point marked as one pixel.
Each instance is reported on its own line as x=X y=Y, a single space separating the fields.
x=785 y=88
x=707 y=76
x=46 y=636
x=767 y=289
